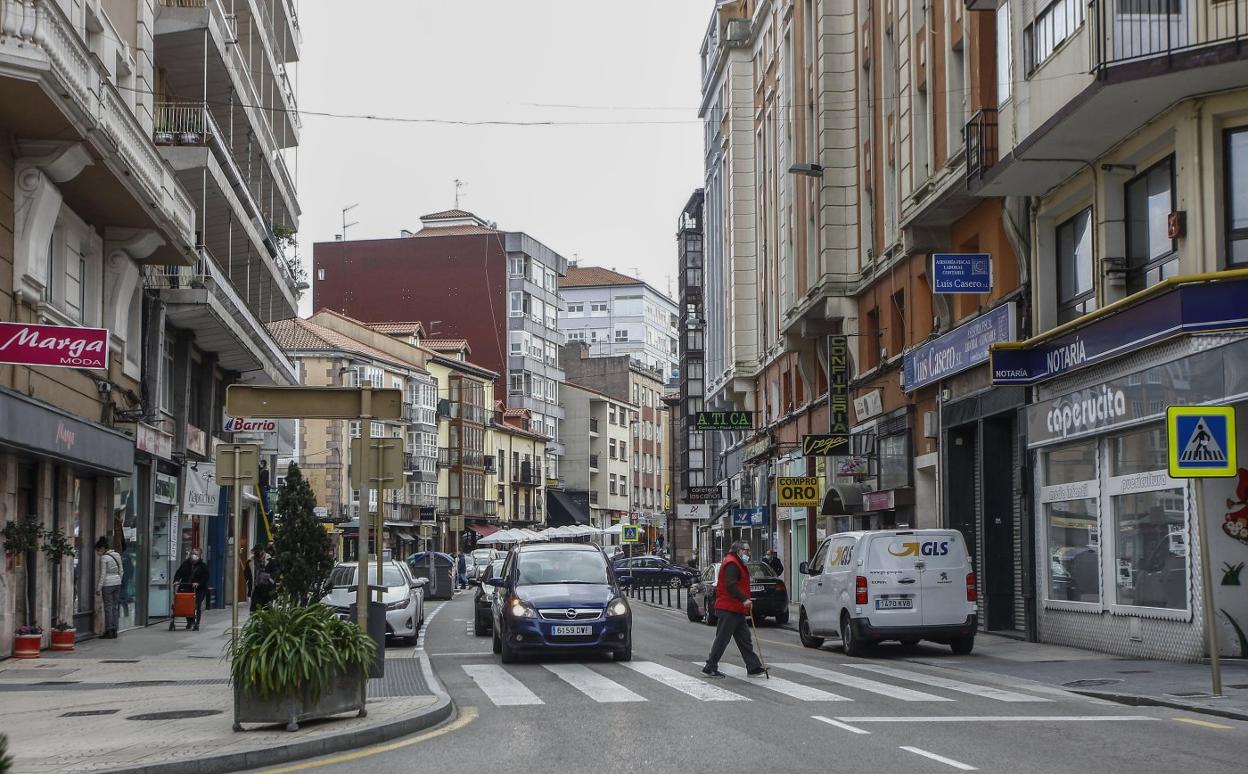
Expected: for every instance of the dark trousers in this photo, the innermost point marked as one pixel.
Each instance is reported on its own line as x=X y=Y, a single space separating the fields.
x=733 y=626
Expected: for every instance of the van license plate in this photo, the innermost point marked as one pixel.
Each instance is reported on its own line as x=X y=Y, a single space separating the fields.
x=894 y=604
x=571 y=631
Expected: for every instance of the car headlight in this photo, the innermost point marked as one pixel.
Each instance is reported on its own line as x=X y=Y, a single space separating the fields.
x=521 y=609
x=402 y=603
x=617 y=607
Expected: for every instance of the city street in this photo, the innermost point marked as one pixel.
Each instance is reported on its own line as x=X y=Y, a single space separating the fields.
x=820 y=709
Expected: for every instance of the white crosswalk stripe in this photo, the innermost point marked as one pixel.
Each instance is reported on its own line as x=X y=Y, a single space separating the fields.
x=499 y=685
x=862 y=684
x=986 y=691
x=780 y=685
x=592 y=684
x=686 y=684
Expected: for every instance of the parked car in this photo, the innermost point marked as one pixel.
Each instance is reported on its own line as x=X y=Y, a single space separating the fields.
x=559 y=597
x=767 y=591
x=483 y=620
x=438 y=568
x=653 y=571
x=480 y=561
x=890 y=585
x=404 y=596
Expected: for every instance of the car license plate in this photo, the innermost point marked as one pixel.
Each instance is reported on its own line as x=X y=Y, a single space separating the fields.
x=571 y=631
x=756 y=588
x=894 y=604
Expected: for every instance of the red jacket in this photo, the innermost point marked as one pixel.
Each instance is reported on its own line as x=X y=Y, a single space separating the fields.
x=724 y=600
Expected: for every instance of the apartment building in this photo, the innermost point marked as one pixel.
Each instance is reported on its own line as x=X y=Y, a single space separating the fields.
x=498 y=290
x=615 y=314
x=1125 y=126
x=690 y=464
x=598 y=431
x=517 y=479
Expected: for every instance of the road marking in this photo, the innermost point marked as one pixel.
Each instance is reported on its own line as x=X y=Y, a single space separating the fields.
x=853 y=681
x=985 y=691
x=780 y=685
x=686 y=684
x=500 y=686
x=940 y=758
x=424 y=629
x=1071 y=695
x=999 y=719
x=839 y=724
x=466 y=716
x=592 y=684
x=1205 y=724
x=467 y=653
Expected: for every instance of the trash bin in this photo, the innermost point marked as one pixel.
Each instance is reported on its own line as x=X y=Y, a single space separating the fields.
x=438 y=568
x=376 y=630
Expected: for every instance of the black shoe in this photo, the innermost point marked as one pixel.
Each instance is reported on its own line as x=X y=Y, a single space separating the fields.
x=709 y=672
x=756 y=672
x=188 y=626
x=195 y=628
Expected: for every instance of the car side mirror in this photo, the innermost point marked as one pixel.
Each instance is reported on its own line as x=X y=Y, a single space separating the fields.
x=804 y=568
x=495 y=582
x=420 y=583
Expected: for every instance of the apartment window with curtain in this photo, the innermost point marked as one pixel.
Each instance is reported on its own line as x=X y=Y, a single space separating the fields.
x=1151 y=254
x=1075 y=296
x=1236 y=174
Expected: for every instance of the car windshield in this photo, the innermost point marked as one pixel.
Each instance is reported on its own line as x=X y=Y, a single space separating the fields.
x=391 y=575
x=546 y=567
x=760 y=570
x=496 y=568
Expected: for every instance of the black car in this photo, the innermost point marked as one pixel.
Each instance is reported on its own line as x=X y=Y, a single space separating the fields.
x=653 y=571
x=483 y=618
x=767 y=591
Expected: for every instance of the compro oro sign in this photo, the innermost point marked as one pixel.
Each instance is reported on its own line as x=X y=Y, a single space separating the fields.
x=797 y=491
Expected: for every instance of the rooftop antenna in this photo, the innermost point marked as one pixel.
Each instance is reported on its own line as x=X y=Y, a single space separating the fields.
x=459 y=184
x=345 y=224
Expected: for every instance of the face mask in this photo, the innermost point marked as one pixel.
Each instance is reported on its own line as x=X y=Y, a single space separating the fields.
x=745 y=558
x=194 y=557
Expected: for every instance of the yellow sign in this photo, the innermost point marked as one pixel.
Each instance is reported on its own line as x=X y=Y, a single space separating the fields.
x=1201 y=440
x=797 y=491
x=629 y=533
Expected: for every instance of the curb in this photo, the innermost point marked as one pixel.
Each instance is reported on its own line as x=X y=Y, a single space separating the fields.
x=1136 y=700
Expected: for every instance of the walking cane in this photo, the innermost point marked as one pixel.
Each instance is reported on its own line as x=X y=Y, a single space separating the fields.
x=761 y=657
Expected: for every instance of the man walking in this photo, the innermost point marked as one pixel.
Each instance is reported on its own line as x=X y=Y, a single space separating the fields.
x=773 y=561
x=194 y=573
x=732 y=605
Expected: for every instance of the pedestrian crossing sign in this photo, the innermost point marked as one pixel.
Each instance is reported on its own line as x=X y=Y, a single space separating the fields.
x=1201 y=440
x=628 y=534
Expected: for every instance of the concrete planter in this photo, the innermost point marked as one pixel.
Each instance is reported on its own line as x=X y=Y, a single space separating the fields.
x=27 y=645
x=63 y=639
x=345 y=693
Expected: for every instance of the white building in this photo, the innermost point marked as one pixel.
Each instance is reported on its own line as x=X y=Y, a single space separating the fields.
x=597 y=434
x=619 y=315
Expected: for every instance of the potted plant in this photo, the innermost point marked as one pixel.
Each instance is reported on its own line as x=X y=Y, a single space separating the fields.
x=56 y=546
x=291 y=664
x=21 y=538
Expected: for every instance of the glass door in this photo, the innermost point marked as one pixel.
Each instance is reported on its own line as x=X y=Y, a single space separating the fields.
x=82 y=524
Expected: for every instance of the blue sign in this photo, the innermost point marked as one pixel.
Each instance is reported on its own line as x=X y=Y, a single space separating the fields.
x=961 y=348
x=961 y=273
x=1192 y=308
x=749 y=517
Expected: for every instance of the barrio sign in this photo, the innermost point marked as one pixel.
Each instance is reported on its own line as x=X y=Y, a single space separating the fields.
x=54 y=345
x=246 y=425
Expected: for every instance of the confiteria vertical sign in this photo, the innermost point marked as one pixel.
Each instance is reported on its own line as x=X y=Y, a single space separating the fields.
x=53 y=345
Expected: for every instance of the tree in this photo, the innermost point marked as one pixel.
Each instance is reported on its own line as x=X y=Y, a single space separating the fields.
x=304 y=558
x=21 y=539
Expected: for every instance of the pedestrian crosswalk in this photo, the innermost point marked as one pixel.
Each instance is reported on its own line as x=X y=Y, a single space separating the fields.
x=641 y=681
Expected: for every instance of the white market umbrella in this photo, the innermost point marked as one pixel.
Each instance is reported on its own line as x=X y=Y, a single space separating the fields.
x=614 y=529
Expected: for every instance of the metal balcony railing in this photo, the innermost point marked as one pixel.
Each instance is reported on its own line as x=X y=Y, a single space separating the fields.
x=489 y=464
x=981 y=145
x=446 y=458
x=1145 y=29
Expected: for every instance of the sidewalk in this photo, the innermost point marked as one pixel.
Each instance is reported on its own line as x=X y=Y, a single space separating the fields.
x=154 y=698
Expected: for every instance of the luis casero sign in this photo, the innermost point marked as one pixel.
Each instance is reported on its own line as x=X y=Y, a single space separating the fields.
x=723 y=420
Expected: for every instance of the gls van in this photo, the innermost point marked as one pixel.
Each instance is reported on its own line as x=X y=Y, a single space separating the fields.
x=907 y=585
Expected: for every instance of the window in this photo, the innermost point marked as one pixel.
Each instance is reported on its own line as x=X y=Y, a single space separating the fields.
x=353 y=428
x=1151 y=254
x=552 y=281
x=621 y=334
x=515 y=266
x=1236 y=173
x=894 y=462
x=1151 y=541
x=576 y=309
x=552 y=316
x=1005 y=54
x=516 y=305
x=1053 y=25
x=537 y=309
x=1074 y=267
x=611 y=444
x=515 y=342
x=598 y=307
x=611 y=488
x=623 y=450
x=515 y=384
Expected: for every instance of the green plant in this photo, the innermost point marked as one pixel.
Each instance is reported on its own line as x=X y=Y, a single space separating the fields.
x=6 y=760
x=284 y=650
x=285 y=235
x=304 y=552
x=56 y=546
x=20 y=538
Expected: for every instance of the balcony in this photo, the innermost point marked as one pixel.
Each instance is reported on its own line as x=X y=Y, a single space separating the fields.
x=446 y=458
x=489 y=464
x=593 y=497
x=452 y=458
x=981 y=145
x=527 y=474
x=593 y=427
x=593 y=462
x=200 y=298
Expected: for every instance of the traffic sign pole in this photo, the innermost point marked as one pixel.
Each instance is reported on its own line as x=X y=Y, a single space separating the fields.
x=1206 y=580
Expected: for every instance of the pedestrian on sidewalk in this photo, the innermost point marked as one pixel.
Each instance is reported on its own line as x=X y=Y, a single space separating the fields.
x=261 y=577
x=108 y=584
x=732 y=605
x=194 y=572
x=773 y=561
x=461 y=570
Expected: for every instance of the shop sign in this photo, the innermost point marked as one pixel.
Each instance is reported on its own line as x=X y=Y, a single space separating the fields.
x=964 y=347
x=823 y=445
x=797 y=491
x=249 y=425
x=749 y=517
x=60 y=346
x=693 y=511
x=166 y=489
x=838 y=387
x=1193 y=308
x=196 y=440
x=723 y=420
x=202 y=493
x=961 y=273
x=868 y=405
x=155 y=442
x=757 y=448
x=1086 y=410
x=877 y=501
x=701 y=494
x=1078 y=490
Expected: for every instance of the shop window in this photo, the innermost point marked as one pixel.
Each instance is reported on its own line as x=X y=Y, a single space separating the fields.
x=1075 y=296
x=1236 y=181
x=1151 y=549
x=1074 y=551
x=1141 y=451
x=894 y=462
x=1151 y=253
x=1070 y=463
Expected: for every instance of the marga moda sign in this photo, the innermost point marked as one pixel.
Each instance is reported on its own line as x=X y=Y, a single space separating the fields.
x=58 y=346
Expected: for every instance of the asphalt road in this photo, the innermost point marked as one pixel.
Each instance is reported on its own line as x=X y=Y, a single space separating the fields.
x=820 y=712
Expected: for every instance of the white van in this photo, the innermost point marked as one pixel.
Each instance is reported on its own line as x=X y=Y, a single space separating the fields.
x=905 y=585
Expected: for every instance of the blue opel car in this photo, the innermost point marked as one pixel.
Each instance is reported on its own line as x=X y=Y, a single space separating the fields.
x=556 y=598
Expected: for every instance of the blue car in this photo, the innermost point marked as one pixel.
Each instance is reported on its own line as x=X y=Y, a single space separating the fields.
x=559 y=598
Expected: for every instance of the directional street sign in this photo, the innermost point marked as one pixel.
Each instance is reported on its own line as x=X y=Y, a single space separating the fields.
x=1201 y=440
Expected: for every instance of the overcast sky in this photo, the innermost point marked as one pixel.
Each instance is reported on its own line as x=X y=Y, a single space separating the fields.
x=607 y=194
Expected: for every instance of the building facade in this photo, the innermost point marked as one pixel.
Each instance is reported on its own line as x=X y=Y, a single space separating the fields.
x=518 y=481
x=598 y=432
x=615 y=314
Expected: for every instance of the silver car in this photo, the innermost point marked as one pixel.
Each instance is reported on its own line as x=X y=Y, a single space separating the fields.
x=404 y=596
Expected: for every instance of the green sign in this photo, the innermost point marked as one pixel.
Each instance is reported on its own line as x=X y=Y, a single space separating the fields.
x=723 y=420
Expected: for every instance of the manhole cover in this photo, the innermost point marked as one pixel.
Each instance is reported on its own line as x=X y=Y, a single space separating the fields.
x=119 y=661
x=88 y=713
x=144 y=683
x=175 y=715
x=1090 y=683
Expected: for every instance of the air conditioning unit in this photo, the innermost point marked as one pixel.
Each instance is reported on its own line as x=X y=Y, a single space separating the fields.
x=931 y=424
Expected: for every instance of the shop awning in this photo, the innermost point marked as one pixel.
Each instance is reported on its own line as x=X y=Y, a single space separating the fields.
x=563 y=510
x=354 y=524
x=841 y=500
x=483 y=530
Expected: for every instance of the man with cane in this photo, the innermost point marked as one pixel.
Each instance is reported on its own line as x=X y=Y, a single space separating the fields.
x=734 y=608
